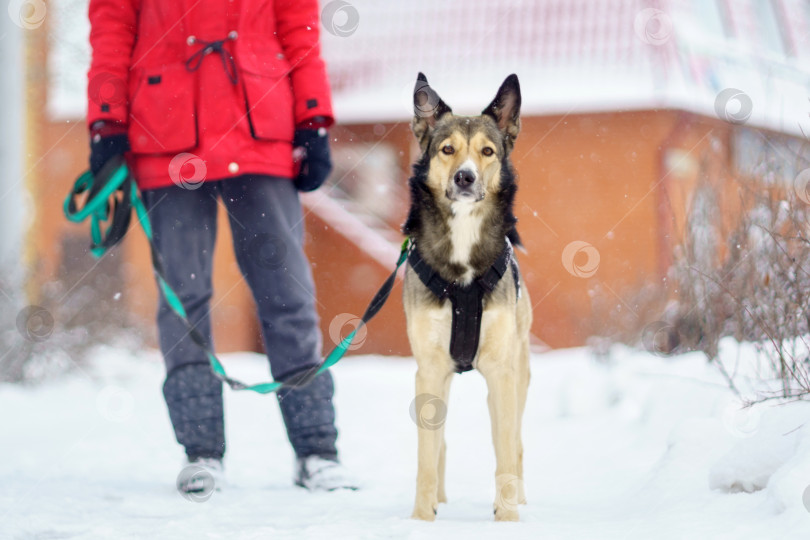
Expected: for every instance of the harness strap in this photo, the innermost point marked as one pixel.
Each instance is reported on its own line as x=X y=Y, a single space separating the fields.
x=515 y=275
x=468 y=307
x=495 y=272
x=467 y=302
x=428 y=276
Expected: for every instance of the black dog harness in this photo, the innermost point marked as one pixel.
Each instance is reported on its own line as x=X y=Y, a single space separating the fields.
x=467 y=301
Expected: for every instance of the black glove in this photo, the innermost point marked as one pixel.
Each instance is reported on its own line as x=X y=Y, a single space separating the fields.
x=105 y=147
x=316 y=162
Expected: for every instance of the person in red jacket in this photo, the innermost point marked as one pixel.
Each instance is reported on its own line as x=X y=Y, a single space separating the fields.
x=209 y=101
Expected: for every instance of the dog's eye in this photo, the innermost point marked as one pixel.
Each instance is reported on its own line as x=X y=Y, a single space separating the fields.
x=487 y=151
x=447 y=149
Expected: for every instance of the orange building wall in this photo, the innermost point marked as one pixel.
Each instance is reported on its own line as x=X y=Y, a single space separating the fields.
x=588 y=178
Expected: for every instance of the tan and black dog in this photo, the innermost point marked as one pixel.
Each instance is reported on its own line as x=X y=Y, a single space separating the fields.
x=465 y=304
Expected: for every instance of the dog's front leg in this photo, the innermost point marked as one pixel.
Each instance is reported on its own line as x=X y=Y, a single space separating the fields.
x=503 y=409
x=442 y=493
x=431 y=393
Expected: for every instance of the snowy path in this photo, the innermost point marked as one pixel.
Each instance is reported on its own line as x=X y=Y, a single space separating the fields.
x=622 y=452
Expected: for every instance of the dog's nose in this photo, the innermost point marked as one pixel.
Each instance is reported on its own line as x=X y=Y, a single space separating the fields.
x=464 y=178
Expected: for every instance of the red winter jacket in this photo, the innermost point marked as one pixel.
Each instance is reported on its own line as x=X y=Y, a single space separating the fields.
x=139 y=77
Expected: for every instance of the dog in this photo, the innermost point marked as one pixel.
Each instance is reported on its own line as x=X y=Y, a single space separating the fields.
x=465 y=304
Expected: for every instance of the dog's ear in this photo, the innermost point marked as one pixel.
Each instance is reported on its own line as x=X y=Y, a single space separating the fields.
x=505 y=110
x=428 y=107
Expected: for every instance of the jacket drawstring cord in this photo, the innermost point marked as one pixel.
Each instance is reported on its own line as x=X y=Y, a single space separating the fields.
x=207 y=47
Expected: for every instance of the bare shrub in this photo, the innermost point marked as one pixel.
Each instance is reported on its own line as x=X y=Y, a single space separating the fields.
x=742 y=270
x=751 y=282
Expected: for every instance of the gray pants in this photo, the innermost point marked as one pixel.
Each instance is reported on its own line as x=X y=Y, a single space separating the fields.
x=267 y=228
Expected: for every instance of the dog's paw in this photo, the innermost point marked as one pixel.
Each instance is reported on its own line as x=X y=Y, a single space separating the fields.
x=508 y=496
x=424 y=513
x=506 y=514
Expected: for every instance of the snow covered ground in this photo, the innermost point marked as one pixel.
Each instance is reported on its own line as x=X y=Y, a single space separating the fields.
x=642 y=448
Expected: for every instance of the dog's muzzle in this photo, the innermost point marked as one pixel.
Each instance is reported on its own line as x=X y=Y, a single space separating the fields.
x=465 y=187
x=464 y=178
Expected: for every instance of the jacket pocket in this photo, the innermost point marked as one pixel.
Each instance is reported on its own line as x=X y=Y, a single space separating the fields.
x=162 y=114
x=269 y=100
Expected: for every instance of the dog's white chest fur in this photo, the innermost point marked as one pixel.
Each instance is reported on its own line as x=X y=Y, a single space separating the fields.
x=465 y=232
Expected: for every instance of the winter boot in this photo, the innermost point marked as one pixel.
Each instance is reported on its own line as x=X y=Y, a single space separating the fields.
x=200 y=477
x=318 y=473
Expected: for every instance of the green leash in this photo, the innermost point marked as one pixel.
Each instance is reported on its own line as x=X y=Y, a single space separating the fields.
x=112 y=195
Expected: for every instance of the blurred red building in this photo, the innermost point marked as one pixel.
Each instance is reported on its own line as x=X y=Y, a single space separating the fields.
x=625 y=105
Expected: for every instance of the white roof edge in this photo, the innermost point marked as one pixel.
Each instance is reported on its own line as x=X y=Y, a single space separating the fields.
x=385 y=113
